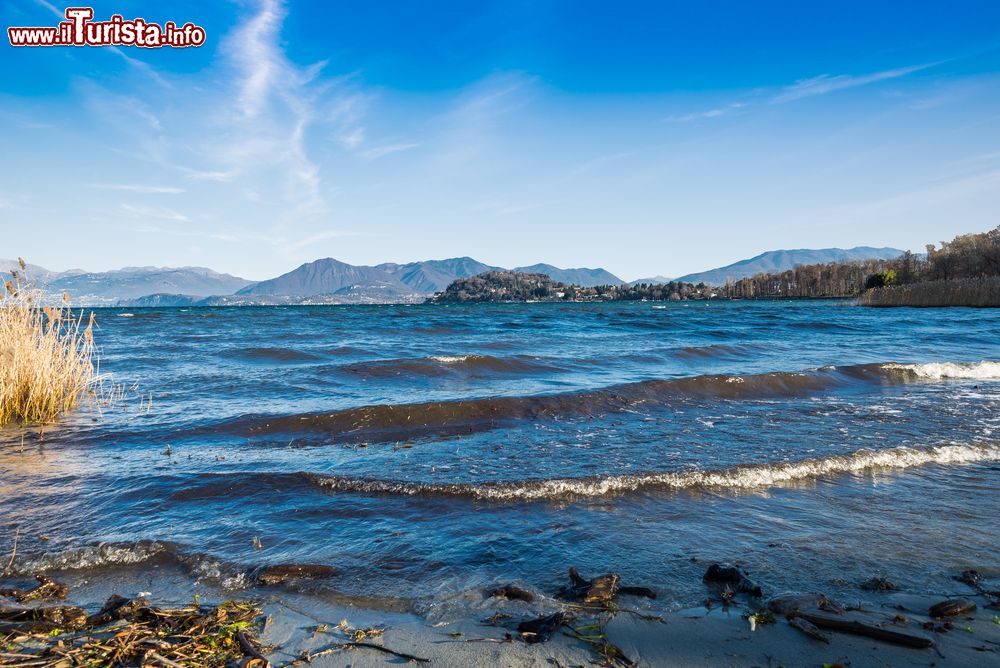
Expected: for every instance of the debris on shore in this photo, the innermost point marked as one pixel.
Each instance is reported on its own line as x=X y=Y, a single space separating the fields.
x=734 y=577
x=512 y=592
x=282 y=573
x=951 y=608
x=813 y=613
x=127 y=632
x=879 y=584
x=602 y=589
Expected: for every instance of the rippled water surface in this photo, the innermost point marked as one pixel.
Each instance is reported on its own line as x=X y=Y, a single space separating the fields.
x=427 y=450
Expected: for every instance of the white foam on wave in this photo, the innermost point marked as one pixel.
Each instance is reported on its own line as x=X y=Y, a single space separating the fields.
x=450 y=359
x=94 y=556
x=117 y=555
x=984 y=370
x=753 y=476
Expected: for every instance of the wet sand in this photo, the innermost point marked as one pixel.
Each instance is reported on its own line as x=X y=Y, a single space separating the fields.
x=461 y=631
x=692 y=637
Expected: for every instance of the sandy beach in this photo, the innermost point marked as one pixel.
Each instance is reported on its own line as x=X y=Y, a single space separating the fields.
x=691 y=637
x=303 y=620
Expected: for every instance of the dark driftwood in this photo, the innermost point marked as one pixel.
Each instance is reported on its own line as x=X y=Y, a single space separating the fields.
x=279 y=573
x=601 y=589
x=249 y=649
x=539 y=629
x=349 y=645
x=790 y=604
x=46 y=588
x=952 y=607
x=34 y=620
x=731 y=575
x=117 y=607
x=858 y=627
x=512 y=592
x=808 y=628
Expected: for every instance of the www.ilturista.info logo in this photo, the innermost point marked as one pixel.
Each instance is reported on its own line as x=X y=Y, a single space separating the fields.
x=80 y=30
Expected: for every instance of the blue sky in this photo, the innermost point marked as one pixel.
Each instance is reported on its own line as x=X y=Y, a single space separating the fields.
x=645 y=137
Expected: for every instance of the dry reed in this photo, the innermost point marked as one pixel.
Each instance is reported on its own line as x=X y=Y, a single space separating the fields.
x=132 y=633
x=977 y=292
x=46 y=354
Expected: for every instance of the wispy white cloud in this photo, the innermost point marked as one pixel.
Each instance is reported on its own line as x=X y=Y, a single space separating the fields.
x=273 y=123
x=826 y=83
x=377 y=152
x=352 y=138
x=708 y=113
x=281 y=242
x=122 y=110
x=153 y=212
x=208 y=175
x=148 y=190
x=255 y=49
x=498 y=208
x=290 y=246
x=473 y=124
x=936 y=195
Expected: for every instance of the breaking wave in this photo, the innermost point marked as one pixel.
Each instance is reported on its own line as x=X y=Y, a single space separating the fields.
x=952 y=370
x=114 y=556
x=96 y=556
x=751 y=476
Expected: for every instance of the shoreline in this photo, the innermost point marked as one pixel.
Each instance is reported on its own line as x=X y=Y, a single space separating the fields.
x=693 y=637
x=474 y=628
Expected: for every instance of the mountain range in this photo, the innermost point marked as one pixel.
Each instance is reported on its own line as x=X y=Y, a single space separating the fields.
x=777 y=261
x=331 y=281
x=110 y=287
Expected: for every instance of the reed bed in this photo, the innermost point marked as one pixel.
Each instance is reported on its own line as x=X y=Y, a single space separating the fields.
x=46 y=354
x=977 y=292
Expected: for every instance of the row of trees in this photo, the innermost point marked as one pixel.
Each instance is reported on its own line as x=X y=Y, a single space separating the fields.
x=505 y=286
x=966 y=256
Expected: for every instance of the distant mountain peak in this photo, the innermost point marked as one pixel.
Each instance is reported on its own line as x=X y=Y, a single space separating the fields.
x=776 y=261
x=582 y=276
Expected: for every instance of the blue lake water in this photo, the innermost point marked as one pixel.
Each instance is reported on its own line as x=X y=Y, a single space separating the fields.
x=428 y=451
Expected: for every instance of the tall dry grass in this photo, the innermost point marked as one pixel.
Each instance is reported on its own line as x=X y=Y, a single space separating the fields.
x=46 y=354
x=978 y=292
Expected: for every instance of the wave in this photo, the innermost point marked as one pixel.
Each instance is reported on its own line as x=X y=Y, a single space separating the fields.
x=114 y=556
x=951 y=370
x=714 y=350
x=745 y=477
x=440 y=365
x=269 y=354
x=96 y=556
x=396 y=422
